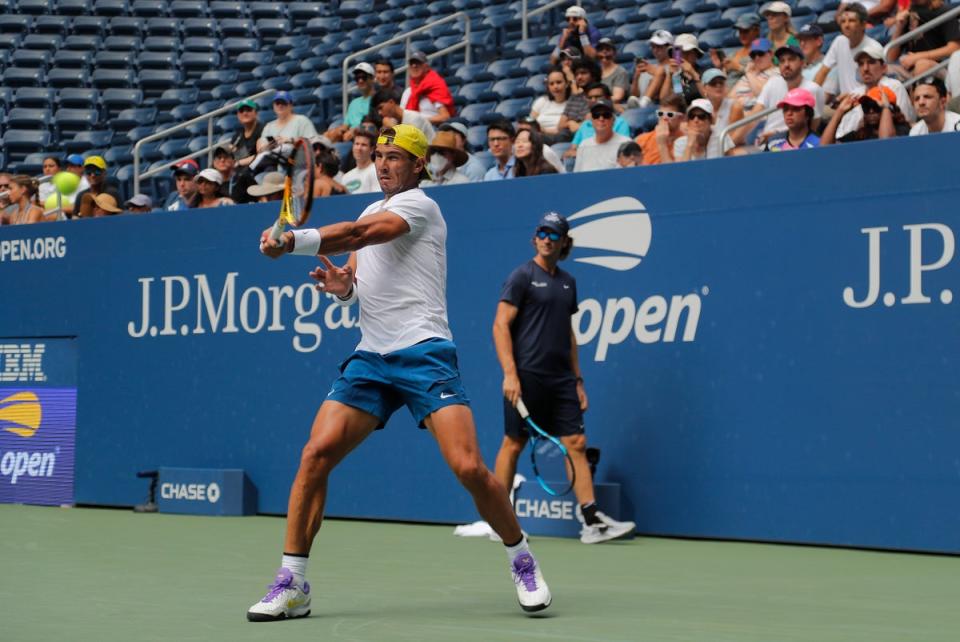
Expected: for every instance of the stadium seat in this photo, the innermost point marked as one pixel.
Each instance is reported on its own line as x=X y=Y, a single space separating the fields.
x=249 y=60
x=148 y=8
x=115 y=100
x=42 y=41
x=19 y=143
x=319 y=27
x=73 y=58
x=697 y=22
x=652 y=10
x=221 y=9
x=32 y=58
x=718 y=39
x=74 y=7
x=35 y=98
x=302 y=12
x=161 y=43
x=476 y=112
x=85 y=141
x=32 y=118
x=10 y=41
x=69 y=122
x=160 y=26
x=154 y=81
x=285 y=44
x=119 y=155
x=87 y=43
x=57 y=25
x=475 y=72
x=129 y=118
x=78 y=98
x=32 y=164
x=227 y=124
x=194 y=63
x=188 y=9
x=157 y=60
x=477 y=137
x=128 y=44
x=6 y=97
x=210 y=79
x=203 y=27
x=22 y=77
x=271 y=29
x=113 y=60
x=105 y=78
x=10 y=23
x=477 y=91
x=670 y=23
x=536 y=64
x=127 y=26
x=237 y=28
x=62 y=77
x=173 y=97
x=209 y=45
x=89 y=26
x=110 y=8
x=514 y=108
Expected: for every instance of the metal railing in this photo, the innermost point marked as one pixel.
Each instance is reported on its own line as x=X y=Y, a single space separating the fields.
x=208 y=150
x=760 y=115
x=953 y=14
x=406 y=38
x=937 y=67
x=526 y=15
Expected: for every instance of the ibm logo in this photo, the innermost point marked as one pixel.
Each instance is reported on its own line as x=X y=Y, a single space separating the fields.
x=21 y=362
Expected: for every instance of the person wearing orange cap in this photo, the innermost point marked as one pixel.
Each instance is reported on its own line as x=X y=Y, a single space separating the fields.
x=881 y=117
x=797 y=109
x=406 y=356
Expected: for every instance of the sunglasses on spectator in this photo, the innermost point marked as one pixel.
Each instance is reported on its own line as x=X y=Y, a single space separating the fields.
x=667 y=114
x=4 y=185
x=361 y=76
x=414 y=63
x=699 y=115
x=93 y=171
x=280 y=102
x=546 y=234
x=870 y=108
x=244 y=110
x=604 y=115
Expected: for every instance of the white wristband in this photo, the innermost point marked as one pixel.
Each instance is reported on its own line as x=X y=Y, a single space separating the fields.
x=306 y=242
x=351 y=296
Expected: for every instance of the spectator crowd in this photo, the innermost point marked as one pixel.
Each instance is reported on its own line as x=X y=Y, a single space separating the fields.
x=800 y=95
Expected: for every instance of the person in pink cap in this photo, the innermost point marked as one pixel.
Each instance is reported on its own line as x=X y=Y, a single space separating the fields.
x=797 y=109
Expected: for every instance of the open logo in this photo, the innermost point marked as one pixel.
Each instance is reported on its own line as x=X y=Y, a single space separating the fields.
x=20 y=413
x=618 y=232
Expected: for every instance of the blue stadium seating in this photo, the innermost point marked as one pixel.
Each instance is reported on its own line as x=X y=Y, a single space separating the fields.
x=35 y=98
x=85 y=141
x=69 y=122
x=61 y=77
x=18 y=143
x=78 y=98
x=74 y=7
x=23 y=118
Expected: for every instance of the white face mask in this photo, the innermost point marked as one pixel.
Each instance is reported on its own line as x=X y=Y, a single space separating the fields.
x=438 y=163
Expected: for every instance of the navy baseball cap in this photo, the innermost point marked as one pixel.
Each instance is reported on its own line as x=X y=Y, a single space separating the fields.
x=283 y=96
x=555 y=222
x=811 y=30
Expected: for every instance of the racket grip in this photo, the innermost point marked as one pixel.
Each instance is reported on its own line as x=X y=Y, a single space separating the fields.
x=522 y=409
x=277 y=230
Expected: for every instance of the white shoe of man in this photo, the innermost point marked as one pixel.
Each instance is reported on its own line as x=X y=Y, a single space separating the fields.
x=532 y=591
x=605 y=530
x=285 y=599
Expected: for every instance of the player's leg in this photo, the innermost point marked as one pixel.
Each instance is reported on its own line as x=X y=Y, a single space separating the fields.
x=453 y=428
x=337 y=429
x=583 y=482
x=505 y=466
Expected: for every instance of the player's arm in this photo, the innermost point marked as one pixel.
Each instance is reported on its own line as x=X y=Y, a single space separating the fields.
x=503 y=342
x=337 y=238
x=575 y=365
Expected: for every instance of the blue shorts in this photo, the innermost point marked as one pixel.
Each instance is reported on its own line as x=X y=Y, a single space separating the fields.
x=424 y=377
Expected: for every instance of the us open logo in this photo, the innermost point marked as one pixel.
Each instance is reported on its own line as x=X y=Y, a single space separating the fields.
x=616 y=234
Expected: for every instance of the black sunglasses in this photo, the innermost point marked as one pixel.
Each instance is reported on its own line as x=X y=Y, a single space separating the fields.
x=699 y=115
x=546 y=234
x=93 y=171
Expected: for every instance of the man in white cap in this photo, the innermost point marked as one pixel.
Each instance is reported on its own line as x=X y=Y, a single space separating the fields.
x=647 y=76
x=578 y=34
x=840 y=56
x=359 y=107
x=872 y=68
x=702 y=139
x=139 y=204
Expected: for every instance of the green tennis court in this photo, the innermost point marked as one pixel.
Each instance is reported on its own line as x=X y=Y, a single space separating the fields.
x=97 y=574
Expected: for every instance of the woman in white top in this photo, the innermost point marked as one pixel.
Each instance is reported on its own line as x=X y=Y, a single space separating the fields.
x=548 y=109
x=51 y=165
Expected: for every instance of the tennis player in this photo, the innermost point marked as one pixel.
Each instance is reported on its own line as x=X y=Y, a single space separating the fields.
x=397 y=270
x=537 y=350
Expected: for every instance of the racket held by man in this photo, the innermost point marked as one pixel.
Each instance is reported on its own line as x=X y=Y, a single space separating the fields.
x=297 y=164
x=552 y=465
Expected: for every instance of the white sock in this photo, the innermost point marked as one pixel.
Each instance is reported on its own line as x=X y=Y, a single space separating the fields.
x=297 y=565
x=514 y=551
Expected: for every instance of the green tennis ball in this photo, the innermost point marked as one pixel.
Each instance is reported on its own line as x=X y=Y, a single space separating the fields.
x=51 y=202
x=66 y=182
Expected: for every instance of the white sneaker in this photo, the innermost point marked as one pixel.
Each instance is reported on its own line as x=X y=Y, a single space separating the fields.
x=285 y=599
x=606 y=530
x=532 y=591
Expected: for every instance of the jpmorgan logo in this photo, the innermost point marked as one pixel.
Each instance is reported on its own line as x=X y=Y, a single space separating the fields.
x=616 y=234
x=619 y=228
x=21 y=414
x=22 y=362
x=924 y=241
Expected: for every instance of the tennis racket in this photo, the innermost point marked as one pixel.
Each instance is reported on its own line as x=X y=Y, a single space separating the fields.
x=296 y=162
x=552 y=465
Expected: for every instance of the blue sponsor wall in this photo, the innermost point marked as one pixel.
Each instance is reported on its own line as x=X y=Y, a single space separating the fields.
x=736 y=391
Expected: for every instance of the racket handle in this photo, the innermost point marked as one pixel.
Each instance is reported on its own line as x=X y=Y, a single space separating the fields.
x=277 y=230
x=522 y=409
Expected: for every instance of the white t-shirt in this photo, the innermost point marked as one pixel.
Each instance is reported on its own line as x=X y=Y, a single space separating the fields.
x=592 y=155
x=713 y=146
x=426 y=106
x=852 y=120
x=548 y=112
x=299 y=126
x=841 y=58
x=361 y=181
x=951 y=123
x=402 y=284
x=776 y=90
x=418 y=120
